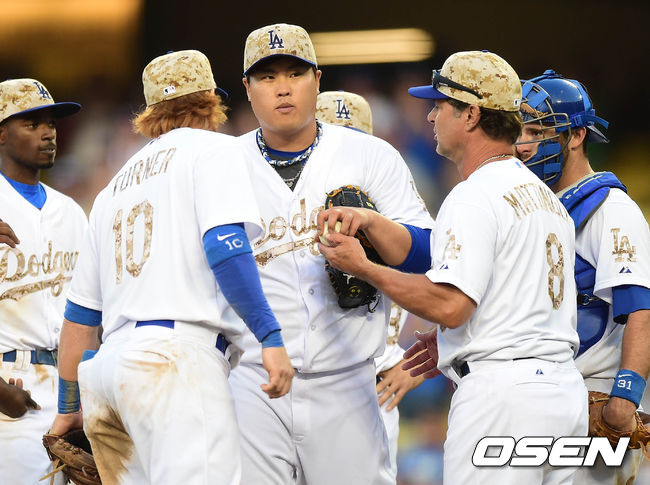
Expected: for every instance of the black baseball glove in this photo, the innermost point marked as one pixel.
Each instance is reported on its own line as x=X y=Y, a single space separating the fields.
x=351 y=291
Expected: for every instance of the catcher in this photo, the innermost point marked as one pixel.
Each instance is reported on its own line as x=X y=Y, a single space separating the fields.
x=612 y=262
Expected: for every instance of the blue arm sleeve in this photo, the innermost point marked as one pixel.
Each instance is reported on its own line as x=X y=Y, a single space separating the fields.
x=627 y=299
x=82 y=315
x=231 y=259
x=223 y=242
x=418 y=260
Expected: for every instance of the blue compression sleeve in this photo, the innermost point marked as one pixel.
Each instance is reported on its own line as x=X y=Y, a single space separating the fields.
x=223 y=242
x=627 y=299
x=82 y=315
x=231 y=259
x=418 y=260
x=274 y=339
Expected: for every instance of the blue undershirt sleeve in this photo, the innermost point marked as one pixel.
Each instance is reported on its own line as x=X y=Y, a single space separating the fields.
x=231 y=258
x=628 y=299
x=418 y=260
x=82 y=315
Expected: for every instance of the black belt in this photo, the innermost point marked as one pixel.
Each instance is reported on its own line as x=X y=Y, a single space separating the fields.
x=462 y=369
x=222 y=342
x=39 y=356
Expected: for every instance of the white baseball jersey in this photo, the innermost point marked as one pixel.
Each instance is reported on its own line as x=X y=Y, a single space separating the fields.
x=318 y=334
x=143 y=258
x=506 y=241
x=34 y=281
x=615 y=241
x=35 y=275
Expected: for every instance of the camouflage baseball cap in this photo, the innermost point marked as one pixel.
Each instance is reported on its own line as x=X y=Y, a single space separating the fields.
x=21 y=96
x=345 y=109
x=475 y=77
x=278 y=40
x=176 y=74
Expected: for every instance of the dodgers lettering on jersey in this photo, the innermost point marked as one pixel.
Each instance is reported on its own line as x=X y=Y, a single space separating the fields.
x=143 y=258
x=615 y=241
x=318 y=334
x=35 y=275
x=507 y=242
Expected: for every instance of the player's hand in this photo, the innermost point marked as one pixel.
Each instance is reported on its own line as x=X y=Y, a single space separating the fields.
x=351 y=218
x=7 y=235
x=345 y=253
x=66 y=422
x=422 y=356
x=618 y=414
x=277 y=363
x=394 y=384
x=14 y=400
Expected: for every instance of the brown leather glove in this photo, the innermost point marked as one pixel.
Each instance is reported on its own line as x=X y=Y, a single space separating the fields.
x=639 y=437
x=71 y=454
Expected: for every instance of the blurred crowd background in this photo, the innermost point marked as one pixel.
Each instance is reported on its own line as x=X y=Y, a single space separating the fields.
x=93 y=52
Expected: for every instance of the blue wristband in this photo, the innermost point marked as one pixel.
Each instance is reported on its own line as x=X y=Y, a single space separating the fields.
x=69 y=399
x=628 y=385
x=273 y=339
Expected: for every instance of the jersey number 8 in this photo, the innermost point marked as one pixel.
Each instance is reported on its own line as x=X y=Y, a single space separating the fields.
x=132 y=267
x=556 y=270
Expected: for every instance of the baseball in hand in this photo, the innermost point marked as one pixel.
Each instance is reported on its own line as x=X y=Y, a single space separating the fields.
x=337 y=228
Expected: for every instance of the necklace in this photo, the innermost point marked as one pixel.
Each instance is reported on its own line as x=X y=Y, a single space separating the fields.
x=503 y=155
x=261 y=143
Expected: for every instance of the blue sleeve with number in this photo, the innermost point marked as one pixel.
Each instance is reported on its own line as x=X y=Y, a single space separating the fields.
x=231 y=259
x=223 y=242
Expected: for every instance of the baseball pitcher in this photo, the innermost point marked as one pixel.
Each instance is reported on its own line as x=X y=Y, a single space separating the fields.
x=328 y=429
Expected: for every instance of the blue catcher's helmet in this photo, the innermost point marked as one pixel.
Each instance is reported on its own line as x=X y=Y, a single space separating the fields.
x=559 y=104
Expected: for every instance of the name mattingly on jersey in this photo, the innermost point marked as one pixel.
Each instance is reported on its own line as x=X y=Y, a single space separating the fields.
x=527 y=198
x=277 y=229
x=15 y=266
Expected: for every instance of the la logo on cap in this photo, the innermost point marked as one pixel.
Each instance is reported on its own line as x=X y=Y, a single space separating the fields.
x=275 y=42
x=42 y=91
x=342 y=110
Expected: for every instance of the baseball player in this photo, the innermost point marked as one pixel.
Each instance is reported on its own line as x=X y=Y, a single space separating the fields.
x=180 y=212
x=500 y=280
x=612 y=269
x=352 y=110
x=328 y=429
x=35 y=273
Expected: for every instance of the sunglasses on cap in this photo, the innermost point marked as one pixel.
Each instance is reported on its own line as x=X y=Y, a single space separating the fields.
x=438 y=80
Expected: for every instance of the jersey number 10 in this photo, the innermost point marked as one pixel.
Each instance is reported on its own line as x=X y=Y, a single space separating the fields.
x=132 y=267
